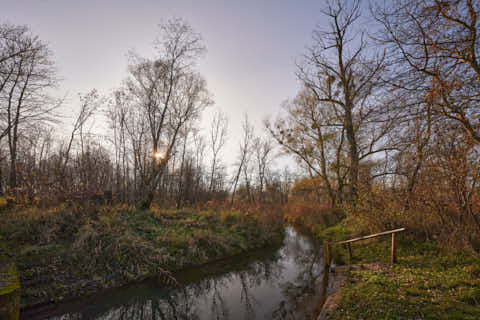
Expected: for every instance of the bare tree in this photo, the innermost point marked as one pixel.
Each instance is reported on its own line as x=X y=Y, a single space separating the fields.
x=307 y=130
x=263 y=150
x=14 y=42
x=26 y=72
x=116 y=114
x=344 y=76
x=199 y=172
x=89 y=103
x=218 y=137
x=245 y=147
x=434 y=47
x=248 y=171
x=163 y=95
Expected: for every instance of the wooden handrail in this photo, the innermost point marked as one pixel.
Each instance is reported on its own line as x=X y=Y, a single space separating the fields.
x=347 y=242
x=370 y=236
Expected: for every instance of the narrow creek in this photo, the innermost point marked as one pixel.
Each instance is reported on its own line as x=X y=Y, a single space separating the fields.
x=279 y=283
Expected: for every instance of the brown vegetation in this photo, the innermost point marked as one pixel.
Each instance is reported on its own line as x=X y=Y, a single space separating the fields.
x=391 y=137
x=385 y=127
x=73 y=250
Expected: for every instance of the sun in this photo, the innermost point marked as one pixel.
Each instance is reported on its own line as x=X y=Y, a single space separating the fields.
x=159 y=155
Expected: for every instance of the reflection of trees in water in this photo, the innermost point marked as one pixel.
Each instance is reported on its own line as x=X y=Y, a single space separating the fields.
x=218 y=308
x=303 y=292
x=179 y=305
x=246 y=298
x=266 y=271
x=193 y=300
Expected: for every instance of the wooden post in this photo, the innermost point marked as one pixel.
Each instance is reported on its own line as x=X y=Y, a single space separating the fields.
x=348 y=243
x=394 y=249
x=350 y=255
x=327 y=254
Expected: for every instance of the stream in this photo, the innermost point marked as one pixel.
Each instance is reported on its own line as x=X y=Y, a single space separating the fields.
x=276 y=283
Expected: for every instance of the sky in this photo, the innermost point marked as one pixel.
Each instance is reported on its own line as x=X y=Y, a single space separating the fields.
x=252 y=46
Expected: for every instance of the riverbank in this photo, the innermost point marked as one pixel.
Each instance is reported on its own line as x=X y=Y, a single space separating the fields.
x=269 y=283
x=427 y=282
x=72 y=251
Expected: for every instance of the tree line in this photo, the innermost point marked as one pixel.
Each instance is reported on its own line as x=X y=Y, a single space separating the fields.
x=154 y=149
x=387 y=122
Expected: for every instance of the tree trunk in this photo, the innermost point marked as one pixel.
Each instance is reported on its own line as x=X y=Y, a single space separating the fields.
x=353 y=152
x=12 y=179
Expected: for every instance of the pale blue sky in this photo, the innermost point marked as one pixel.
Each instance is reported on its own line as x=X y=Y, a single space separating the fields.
x=252 y=46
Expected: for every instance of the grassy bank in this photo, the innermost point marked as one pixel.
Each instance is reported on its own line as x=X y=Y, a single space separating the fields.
x=71 y=251
x=427 y=283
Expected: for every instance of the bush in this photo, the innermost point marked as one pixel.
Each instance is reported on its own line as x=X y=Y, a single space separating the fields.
x=427 y=216
x=311 y=215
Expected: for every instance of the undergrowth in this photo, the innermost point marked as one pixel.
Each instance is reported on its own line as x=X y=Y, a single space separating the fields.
x=312 y=216
x=75 y=250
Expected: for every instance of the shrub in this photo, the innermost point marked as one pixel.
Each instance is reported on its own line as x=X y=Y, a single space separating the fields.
x=312 y=215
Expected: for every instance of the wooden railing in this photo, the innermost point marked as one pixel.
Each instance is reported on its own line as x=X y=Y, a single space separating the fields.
x=348 y=242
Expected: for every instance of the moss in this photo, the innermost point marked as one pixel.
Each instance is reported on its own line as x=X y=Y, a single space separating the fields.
x=9 y=292
x=9 y=281
x=428 y=282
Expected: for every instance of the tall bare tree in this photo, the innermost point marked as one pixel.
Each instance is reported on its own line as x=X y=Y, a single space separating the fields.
x=263 y=152
x=344 y=76
x=163 y=95
x=26 y=73
x=218 y=137
x=244 y=151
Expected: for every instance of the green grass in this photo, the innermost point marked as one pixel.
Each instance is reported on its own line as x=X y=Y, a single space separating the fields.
x=428 y=282
x=73 y=251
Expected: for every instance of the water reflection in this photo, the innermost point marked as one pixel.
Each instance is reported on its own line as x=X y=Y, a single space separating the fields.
x=278 y=284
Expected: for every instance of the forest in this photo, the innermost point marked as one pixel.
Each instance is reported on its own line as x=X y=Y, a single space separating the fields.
x=384 y=134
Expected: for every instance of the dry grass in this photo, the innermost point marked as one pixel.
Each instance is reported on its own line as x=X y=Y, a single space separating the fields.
x=312 y=216
x=74 y=250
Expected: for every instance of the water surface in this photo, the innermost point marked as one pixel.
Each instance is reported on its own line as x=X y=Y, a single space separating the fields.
x=281 y=283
